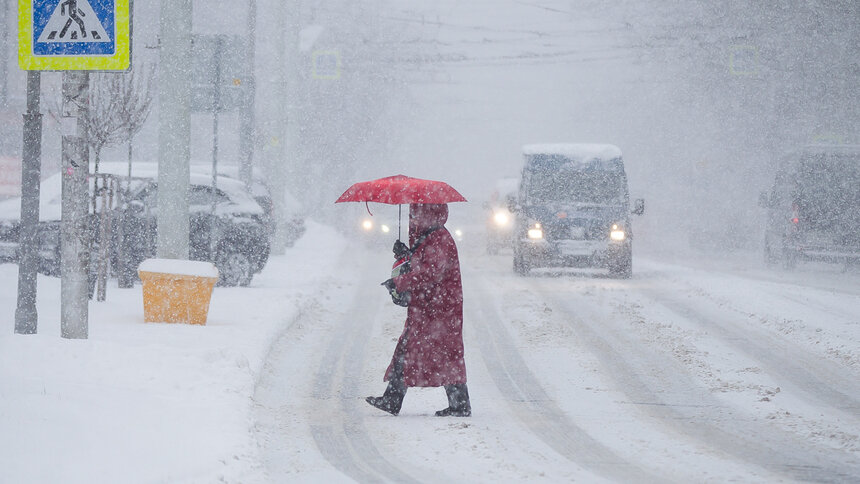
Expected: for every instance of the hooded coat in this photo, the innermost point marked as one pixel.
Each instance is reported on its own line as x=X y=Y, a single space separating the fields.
x=431 y=344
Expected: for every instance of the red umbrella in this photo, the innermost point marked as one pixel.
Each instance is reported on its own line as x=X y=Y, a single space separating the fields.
x=398 y=189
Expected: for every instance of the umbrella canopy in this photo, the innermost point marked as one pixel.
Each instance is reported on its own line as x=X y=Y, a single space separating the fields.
x=398 y=189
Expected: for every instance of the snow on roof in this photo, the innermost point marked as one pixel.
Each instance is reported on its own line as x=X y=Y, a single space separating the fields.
x=507 y=186
x=579 y=152
x=50 y=196
x=179 y=267
x=826 y=148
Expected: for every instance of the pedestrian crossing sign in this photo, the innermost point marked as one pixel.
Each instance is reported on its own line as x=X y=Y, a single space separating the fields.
x=74 y=35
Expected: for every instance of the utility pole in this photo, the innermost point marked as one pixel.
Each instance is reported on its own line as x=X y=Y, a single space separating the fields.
x=4 y=52
x=287 y=64
x=174 y=130
x=246 y=112
x=75 y=234
x=216 y=109
x=26 y=317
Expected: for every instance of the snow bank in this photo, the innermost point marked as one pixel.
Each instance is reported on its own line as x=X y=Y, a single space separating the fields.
x=145 y=402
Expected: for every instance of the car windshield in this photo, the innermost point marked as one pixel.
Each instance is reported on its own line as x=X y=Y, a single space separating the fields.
x=587 y=185
x=828 y=189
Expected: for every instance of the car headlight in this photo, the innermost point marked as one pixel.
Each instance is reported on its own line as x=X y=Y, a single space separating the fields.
x=385 y=229
x=617 y=233
x=367 y=224
x=501 y=218
x=536 y=232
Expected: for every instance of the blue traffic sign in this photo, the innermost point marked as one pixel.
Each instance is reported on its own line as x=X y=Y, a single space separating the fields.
x=74 y=34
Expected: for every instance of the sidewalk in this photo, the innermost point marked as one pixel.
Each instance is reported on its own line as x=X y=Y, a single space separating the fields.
x=141 y=402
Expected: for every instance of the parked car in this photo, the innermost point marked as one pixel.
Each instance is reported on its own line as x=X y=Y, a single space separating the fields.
x=239 y=246
x=48 y=231
x=813 y=207
x=573 y=209
x=500 y=220
x=227 y=227
x=294 y=218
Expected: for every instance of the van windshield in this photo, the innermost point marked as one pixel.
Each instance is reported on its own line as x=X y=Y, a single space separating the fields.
x=827 y=190
x=576 y=186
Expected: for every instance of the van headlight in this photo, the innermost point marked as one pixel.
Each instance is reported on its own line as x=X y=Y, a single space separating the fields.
x=385 y=229
x=367 y=224
x=617 y=233
x=536 y=232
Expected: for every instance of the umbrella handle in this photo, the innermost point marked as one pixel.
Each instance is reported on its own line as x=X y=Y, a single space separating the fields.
x=366 y=206
x=399 y=212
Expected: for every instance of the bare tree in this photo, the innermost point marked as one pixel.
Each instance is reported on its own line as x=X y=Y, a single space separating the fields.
x=120 y=106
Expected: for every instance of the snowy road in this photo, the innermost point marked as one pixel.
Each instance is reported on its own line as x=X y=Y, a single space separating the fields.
x=678 y=375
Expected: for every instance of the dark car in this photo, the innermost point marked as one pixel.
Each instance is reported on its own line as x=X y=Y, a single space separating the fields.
x=814 y=207
x=228 y=228
x=573 y=209
x=294 y=219
x=48 y=231
x=239 y=242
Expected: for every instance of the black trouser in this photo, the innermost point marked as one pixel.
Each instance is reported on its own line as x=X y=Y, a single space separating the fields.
x=396 y=389
x=458 y=397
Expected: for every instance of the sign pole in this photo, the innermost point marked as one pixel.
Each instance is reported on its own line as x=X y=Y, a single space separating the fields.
x=246 y=113
x=216 y=107
x=4 y=52
x=75 y=233
x=26 y=317
x=75 y=36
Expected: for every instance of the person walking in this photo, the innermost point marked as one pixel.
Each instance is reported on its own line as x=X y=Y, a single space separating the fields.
x=429 y=352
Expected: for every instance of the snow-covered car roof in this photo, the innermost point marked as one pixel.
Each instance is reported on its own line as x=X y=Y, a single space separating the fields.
x=258 y=187
x=578 y=152
x=507 y=186
x=50 y=196
x=825 y=148
x=504 y=188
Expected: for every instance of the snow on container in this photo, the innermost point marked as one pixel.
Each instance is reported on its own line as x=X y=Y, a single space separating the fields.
x=176 y=291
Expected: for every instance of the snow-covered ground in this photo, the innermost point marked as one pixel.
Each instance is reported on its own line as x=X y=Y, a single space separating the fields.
x=684 y=373
x=148 y=402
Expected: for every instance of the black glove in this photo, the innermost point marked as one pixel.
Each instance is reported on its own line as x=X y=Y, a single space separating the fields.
x=389 y=284
x=400 y=249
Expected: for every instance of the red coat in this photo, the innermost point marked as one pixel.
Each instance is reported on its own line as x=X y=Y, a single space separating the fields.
x=432 y=339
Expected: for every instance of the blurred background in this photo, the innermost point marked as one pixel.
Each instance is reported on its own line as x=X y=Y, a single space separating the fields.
x=702 y=97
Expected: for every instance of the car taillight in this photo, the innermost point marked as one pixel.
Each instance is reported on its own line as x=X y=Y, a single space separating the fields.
x=795 y=214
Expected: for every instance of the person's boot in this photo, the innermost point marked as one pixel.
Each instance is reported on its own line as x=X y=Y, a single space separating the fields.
x=391 y=400
x=458 y=402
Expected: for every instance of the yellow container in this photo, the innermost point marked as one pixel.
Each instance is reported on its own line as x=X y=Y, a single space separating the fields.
x=176 y=291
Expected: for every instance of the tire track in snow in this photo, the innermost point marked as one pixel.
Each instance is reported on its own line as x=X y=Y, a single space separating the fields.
x=537 y=410
x=665 y=390
x=819 y=379
x=343 y=440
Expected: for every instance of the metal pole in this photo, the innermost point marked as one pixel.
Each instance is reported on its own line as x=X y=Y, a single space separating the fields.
x=75 y=233
x=286 y=60
x=123 y=279
x=26 y=317
x=216 y=107
x=4 y=52
x=246 y=113
x=174 y=130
